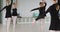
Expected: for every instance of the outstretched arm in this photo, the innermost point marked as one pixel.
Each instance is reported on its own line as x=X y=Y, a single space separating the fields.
x=45 y=4
x=48 y=10
x=16 y=3
x=11 y=2
x=3 y=8
x=35 y=9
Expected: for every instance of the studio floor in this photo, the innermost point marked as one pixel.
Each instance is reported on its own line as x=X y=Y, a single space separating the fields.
x=25 y=28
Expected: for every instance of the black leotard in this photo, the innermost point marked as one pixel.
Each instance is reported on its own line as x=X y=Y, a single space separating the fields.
x=8 y=10
x=41 y=11
x=14 y=13
x=55 y=22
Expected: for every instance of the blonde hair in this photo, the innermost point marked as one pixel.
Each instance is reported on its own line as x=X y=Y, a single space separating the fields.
x=8 y=1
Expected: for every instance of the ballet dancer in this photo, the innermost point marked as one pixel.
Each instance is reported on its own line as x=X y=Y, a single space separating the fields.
x=8 y=12
x=14 y=14
x=55 y=22
x=41 y=11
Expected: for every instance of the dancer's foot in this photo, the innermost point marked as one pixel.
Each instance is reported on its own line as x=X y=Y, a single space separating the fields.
x=33 y=23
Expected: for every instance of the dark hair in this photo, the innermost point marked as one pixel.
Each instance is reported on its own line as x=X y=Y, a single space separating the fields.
x=54 y=0
x=40 y=3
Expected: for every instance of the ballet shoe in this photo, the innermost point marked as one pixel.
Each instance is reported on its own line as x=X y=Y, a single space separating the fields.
x=33 y=23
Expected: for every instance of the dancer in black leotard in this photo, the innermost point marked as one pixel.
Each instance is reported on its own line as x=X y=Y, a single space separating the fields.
x=41 y=11
x=14 y=15
x=8 y=9
x=8 y=12
x=55 y=22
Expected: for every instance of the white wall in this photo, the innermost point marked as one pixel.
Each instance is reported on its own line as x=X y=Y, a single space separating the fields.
x=3 y=13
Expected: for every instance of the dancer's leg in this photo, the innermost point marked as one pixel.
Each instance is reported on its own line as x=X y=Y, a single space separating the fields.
x=34 y=20
x=58 y=31
x=52 y=31
x=42 y=21
x=14 y=20
x=8 y=23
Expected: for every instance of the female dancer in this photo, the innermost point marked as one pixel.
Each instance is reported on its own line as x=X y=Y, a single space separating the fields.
x=8 y=12
x=55 y=22
x=41 y=11
x=14 y=14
